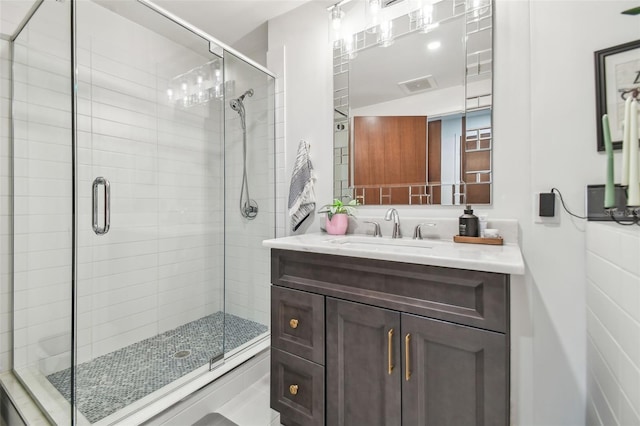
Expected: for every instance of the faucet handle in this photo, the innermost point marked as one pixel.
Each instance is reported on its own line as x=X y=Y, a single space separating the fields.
x=376 y=228
x=417 y=232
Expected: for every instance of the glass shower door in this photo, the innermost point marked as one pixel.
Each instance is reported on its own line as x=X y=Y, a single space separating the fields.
x=149 y=185
x=249 y=200
x=43 y=205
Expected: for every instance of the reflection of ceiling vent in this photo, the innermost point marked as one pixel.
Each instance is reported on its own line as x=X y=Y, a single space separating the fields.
x=419 y=84
x=386 y=3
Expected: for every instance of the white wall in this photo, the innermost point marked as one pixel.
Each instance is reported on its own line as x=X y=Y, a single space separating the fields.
x=438 y=102
x=563 y=155
x=544 y=136
x=613 y=324
x=308 y=96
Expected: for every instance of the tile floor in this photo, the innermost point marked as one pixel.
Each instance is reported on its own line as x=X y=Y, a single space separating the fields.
x=119 y=378
x=251 y=406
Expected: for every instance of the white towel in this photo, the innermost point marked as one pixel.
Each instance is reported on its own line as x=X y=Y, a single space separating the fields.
x=302 y=199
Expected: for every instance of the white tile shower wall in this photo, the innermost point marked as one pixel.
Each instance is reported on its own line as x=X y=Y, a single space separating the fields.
x=613 y=324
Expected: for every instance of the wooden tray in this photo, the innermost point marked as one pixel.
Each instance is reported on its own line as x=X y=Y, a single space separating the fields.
x=478 y=240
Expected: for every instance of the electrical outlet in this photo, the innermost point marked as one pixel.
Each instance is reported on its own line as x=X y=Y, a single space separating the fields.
x=555 y=219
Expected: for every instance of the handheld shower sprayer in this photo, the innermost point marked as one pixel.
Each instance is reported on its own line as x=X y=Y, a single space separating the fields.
x=237 y=104
x=248 y=207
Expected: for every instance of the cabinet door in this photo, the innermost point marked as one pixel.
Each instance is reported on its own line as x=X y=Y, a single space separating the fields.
x=363 y=365
x=457 y=375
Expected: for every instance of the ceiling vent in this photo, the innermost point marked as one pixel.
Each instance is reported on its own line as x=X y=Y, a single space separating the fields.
x=417 y=85
x=387 y=3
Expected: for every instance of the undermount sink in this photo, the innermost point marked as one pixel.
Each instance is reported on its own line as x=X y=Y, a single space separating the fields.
x=373 y=243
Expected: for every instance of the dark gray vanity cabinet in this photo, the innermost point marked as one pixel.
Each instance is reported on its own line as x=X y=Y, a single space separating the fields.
x=363 y=365
x=403 y=344
x=297 y=356
x=453 y=374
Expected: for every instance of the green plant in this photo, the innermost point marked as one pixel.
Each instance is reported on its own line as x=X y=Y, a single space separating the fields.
x=338 y=207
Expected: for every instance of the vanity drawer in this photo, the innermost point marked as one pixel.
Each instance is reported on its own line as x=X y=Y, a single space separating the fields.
x=297 y=389
x=297 y=323
x=474 y=298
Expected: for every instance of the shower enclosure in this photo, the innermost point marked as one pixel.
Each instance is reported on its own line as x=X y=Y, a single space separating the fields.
x=135 y=273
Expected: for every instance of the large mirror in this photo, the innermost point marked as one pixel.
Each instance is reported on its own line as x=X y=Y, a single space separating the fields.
x=412 y=104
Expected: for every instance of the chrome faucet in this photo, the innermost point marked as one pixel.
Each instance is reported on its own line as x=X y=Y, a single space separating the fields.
x=376 y=228
x=393 y=214
x=417 y=233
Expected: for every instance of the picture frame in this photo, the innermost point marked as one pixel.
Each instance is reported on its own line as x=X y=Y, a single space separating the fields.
x=617 y=74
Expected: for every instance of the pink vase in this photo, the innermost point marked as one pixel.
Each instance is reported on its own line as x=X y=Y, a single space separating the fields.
x=338 y=224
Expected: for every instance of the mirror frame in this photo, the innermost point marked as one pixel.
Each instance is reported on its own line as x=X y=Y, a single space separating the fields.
x=479 y=19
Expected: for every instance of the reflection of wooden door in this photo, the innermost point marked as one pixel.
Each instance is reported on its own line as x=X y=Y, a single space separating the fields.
x=434 y=153
x=389 y=151
x=476 y=165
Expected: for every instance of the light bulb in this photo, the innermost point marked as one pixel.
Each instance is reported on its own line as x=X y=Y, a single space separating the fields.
x=349 y=48
x=385 y=36
x=335 y=25
x=336 y=18
x=372 y=12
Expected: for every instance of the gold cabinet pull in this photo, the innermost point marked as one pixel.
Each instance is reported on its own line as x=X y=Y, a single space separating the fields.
x=293 y=323
x=293 y=389
x=390 y=350
x=407 y=371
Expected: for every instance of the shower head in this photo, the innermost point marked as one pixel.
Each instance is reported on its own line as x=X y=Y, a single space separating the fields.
x=236 y=104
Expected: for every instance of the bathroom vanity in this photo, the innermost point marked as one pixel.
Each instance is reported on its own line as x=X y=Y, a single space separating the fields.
x=366 y=334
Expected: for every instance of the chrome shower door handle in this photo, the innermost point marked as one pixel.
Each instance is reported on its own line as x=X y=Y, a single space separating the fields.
x=107 y=206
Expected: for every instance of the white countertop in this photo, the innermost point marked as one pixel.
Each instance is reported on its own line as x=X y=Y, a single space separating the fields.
x=506 y=259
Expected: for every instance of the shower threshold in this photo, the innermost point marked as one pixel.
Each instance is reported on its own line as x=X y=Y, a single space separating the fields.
x=110 y=382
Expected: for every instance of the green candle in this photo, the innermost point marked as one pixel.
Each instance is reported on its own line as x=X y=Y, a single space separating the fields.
x=609 y=192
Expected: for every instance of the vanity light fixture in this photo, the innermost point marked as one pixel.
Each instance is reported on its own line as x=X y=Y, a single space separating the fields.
x=373 y=12
x=479 y=8
x=349 y=46
x=422 y=16
x=379 y=20
x=336 y=15
x=385 y=33
x=434 y=45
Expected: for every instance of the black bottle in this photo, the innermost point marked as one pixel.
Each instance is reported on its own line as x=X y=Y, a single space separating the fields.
x=468 y=223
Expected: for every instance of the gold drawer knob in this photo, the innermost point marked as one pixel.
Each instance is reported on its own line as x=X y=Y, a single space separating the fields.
x=293 y=389
x=293 y=323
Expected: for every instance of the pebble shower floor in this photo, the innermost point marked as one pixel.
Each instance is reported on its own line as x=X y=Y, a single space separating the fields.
x=115 y=380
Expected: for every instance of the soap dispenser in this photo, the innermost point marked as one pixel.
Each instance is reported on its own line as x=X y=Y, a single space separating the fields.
x=468 y=224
